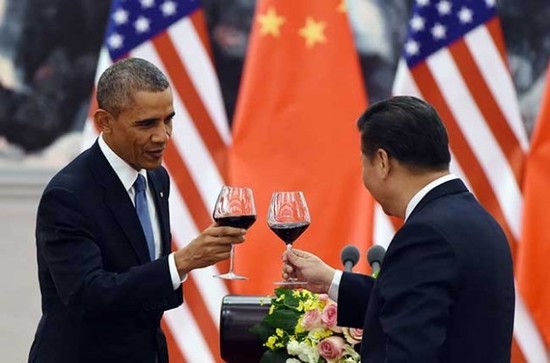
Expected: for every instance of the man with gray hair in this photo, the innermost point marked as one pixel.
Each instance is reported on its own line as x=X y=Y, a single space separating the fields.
x=105 y=265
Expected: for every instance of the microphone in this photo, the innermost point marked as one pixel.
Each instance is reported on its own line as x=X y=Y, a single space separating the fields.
x=349 y=257
x=375 y=256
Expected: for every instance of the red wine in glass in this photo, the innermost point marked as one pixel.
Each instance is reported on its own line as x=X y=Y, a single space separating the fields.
x=234 y=208
x=289 y=232
x=236 y=221
x=288 y=218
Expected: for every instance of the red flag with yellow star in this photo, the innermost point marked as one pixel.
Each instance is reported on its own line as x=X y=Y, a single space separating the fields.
x=295 y=129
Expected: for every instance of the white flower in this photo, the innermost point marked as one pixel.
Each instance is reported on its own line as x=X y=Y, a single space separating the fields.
x=292 y=360
x=353 y=356
x=302 y=350
x=293 y=347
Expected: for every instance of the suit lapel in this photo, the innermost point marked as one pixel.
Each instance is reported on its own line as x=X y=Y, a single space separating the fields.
x=117 y=200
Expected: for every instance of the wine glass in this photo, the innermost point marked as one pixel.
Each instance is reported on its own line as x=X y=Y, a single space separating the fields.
x=235 y=208
x=288 y=217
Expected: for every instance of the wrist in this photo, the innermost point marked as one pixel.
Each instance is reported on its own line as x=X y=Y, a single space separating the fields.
x=183 y=263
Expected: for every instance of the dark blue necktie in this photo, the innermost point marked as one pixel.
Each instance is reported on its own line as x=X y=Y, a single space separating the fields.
x=142 y=210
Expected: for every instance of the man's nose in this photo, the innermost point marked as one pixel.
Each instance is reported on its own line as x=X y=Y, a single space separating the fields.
x=162 y=133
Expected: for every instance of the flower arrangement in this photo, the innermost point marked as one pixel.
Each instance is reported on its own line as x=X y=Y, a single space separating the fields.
x=301 y=327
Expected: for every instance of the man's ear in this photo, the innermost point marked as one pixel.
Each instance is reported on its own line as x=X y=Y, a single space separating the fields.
x=103 y=120
x=382 y=162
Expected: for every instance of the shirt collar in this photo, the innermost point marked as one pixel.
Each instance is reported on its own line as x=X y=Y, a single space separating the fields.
x=123 y=170
x=422 y=192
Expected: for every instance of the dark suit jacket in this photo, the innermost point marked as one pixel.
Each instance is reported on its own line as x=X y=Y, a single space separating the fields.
x=445 y=292
x=102 y=300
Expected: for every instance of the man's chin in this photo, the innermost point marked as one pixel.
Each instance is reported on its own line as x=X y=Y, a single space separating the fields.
x=152 y=164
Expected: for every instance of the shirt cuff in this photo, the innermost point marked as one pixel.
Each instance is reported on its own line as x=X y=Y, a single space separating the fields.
x=176 y=280
x=335 y=285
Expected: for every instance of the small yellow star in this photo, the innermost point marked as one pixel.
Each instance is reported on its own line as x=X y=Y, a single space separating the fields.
x=313 y=32
x=271 y=23
x=342 y=7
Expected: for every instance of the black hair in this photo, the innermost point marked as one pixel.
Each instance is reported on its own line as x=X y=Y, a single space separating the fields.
x=122 y=79
x=409 y=130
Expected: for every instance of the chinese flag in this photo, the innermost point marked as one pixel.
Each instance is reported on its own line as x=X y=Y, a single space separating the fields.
x=295 y=129
x=534 y=251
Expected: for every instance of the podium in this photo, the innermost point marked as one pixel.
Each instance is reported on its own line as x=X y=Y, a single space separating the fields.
x=238 y=314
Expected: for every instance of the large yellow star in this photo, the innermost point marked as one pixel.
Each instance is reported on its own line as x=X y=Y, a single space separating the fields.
x=313 y=32
x=271 y=22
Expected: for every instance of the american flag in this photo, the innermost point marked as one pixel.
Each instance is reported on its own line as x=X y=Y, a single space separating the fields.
x=454 y=58
x=172 y=35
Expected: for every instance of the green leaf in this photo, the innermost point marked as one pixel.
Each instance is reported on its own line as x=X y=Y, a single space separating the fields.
x=274 y=356
x=284 y=319
x=262 y=331
x=290 y=299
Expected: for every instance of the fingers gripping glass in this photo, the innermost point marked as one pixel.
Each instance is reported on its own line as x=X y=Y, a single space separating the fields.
x=288 y=218
x=235 y=208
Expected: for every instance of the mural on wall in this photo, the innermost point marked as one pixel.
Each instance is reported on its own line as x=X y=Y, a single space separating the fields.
x=49 y=49
x=48 y=55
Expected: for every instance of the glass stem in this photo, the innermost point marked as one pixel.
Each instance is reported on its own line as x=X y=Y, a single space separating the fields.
x=231 y=254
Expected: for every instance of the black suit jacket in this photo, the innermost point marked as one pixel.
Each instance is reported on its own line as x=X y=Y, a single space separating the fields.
x=445 y=292
x=102 y=299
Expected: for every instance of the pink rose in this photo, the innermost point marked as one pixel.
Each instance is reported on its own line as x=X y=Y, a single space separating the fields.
x=331 y=348
x=312 y=319
x=329 y=317
x=353 y=335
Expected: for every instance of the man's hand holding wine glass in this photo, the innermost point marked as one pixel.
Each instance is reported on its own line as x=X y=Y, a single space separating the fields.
x=209 y=247
x=304 y=266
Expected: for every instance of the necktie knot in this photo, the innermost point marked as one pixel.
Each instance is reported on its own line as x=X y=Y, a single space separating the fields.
x=139 y=184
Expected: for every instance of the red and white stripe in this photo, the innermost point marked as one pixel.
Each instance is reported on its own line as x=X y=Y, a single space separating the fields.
x=470 y=85
x=195 y=160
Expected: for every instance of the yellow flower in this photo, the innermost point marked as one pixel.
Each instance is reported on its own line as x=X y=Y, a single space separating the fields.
x=279 y=332
x=309 y=304
x=299 y=328
x=320 y=333
x=271 y=309
x=271 y=342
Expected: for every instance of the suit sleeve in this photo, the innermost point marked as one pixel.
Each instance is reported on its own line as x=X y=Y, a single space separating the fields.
x=417 y=285
x=66 y=242
x=353 y=299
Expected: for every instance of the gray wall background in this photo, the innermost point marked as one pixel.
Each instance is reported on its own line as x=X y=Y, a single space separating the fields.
x=19 y=296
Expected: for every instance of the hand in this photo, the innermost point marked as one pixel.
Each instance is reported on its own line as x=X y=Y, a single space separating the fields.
x=305 y=266
x=209 y=247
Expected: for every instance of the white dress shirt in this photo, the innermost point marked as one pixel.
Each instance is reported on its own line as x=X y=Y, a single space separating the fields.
x=128 y=176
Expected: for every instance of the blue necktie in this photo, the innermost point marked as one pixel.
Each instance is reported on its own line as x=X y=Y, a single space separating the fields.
x=142 y=210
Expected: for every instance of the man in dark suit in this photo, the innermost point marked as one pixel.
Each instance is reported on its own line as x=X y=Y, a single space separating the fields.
x=445 y=292
x=105 y=265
